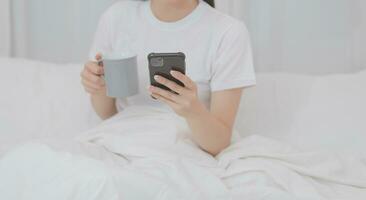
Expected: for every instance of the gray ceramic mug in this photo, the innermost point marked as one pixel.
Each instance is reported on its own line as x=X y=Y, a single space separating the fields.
x=120 y=75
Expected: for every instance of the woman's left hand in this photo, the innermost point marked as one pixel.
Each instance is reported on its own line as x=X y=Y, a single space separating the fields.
x=185 y=103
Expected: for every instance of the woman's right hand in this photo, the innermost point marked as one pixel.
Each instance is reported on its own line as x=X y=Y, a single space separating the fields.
x=91 y=77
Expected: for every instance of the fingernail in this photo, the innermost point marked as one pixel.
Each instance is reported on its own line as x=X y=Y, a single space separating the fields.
x=156 y=77
x=173 y=72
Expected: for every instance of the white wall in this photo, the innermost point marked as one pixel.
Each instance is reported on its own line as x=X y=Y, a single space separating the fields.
x=4 y=28
x=359 y=41
x=305 y=36
x=311 y=36
x=54 y=30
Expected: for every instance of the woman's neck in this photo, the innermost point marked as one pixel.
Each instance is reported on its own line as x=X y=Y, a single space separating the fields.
x=172 y=10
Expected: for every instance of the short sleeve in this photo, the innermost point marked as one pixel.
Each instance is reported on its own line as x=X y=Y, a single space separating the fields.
x=233 y=65
x=102 y=37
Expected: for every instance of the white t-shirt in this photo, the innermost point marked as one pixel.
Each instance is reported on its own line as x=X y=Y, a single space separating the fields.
x=217 y=46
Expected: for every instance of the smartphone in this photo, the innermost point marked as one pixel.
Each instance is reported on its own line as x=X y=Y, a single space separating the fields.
x=162 y=63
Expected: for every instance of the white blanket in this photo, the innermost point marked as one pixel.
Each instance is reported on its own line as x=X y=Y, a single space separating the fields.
x=146 y=153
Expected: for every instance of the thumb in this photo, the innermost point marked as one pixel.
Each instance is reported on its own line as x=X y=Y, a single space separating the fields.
x=98 y=56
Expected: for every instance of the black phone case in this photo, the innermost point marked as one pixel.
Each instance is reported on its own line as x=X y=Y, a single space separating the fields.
x=172 y=61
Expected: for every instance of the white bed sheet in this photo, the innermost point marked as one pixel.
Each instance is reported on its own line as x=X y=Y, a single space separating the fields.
x=159 y=161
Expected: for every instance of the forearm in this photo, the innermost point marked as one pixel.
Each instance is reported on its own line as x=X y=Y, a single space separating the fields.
x=211 y=134
x=211 y=128
x=104 y=106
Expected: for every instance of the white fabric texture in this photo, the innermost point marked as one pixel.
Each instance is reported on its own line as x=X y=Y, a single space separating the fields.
x=42 y=100
x=160 y=158
x=46 y=100
x=313 y=112
x=217 y=47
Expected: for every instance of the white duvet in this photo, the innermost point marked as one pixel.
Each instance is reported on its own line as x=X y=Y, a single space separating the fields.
x=146 y=153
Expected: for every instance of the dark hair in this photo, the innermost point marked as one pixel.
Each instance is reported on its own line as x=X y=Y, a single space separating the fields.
x=210 y=2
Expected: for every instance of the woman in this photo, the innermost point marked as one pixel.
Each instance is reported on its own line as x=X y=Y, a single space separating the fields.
x=219 y=66
x=219 y=62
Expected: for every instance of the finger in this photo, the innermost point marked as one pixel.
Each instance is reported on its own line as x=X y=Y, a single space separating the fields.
x=170 y=84
x=91 y=85
x=99 y=59
x=166 y=94
x=188 y=83
x=94 y=68
x=90 y=90
x=164 y=100
x=98 y=56
x=92 y=78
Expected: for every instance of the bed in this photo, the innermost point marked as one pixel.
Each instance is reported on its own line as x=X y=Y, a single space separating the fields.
x=312 y=113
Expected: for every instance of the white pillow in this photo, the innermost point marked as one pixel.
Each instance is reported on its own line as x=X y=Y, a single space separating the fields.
x=42 y=99
x=316 y=112
x=270 y=107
